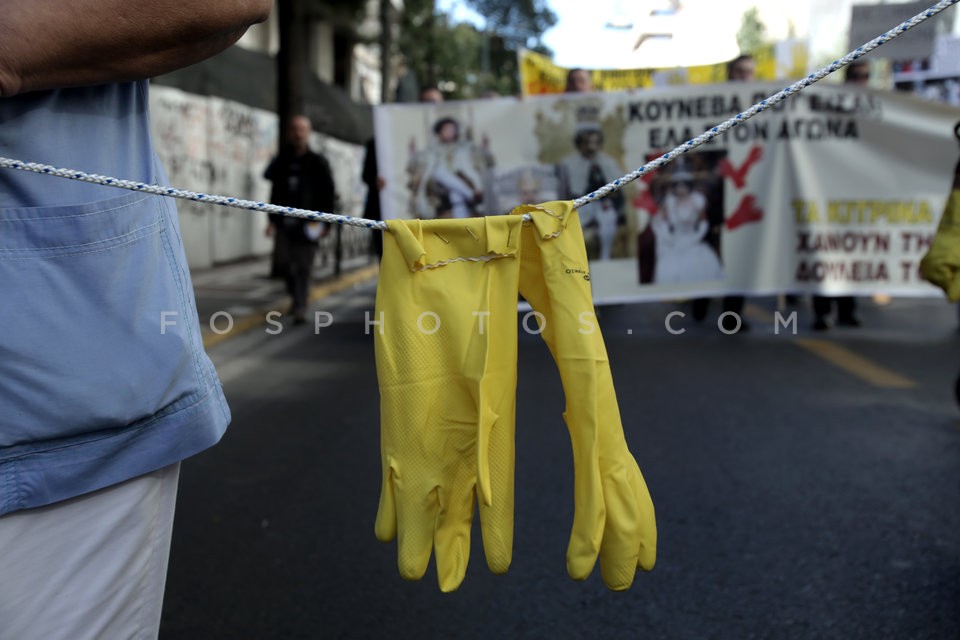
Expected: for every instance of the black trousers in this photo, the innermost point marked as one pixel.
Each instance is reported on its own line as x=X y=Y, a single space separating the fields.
x=823 y=305
x=297 y=267
x=730 y=303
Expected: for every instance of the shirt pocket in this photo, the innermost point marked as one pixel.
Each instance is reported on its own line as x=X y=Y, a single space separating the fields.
x=98 y=328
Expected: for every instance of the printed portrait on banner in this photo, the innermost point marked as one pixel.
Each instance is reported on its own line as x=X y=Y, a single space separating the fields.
x=681 y=217
x=586 y=148
x=450 y=176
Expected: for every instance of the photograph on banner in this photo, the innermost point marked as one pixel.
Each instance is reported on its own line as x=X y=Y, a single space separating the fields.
x=449 y=173
x=785 y=60
x=678 y=236
x=837 y=190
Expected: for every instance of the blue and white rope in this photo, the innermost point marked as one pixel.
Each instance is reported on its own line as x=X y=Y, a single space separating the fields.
x=602 y=192
x=189 y=195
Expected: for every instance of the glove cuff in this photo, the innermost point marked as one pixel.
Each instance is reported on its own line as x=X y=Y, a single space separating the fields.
x=549 y=218
x=426 y=244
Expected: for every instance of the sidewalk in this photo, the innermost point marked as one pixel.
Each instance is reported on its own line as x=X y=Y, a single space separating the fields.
x=243 y=293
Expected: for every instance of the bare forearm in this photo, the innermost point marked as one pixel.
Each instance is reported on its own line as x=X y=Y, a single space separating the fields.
x=46 y=44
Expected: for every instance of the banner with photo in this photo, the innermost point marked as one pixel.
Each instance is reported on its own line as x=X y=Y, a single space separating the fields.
x=779 y=61
x=837 y=190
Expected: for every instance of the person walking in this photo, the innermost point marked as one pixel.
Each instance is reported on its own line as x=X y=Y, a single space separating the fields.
x=301 y=178
x=857 y=73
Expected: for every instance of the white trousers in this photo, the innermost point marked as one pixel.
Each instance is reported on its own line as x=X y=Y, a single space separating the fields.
x=93 y=566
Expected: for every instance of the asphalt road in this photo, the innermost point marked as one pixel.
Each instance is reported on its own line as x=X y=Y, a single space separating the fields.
x=806 y=486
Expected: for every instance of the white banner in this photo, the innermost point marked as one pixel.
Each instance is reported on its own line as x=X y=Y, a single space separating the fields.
x=837 y=190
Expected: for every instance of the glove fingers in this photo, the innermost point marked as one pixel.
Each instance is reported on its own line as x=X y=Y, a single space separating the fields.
x=648 y=523
x=586 y=534
x=621 y=538
x=385 y=526
x=496 y=519
x=588 y=511
x=453 y=540
x=496 y=523
x=416 y=520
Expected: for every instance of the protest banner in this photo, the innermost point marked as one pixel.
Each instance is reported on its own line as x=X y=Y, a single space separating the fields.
x=779 y=61
x=837 y=190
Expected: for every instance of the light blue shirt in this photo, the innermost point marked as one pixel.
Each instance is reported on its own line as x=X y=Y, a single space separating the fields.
x=103 y=376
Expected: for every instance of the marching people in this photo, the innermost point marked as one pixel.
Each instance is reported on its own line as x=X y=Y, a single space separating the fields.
x=857 y=73
x=743 y=68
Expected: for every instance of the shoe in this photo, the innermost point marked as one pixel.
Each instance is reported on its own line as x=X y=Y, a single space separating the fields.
x=700 y=307
x=820 y=324
x=849 y=321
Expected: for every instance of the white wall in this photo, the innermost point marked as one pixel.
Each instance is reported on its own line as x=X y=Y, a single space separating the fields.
x=219 y=147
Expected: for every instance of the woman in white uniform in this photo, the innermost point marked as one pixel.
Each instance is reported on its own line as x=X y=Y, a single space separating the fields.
x=680 y=227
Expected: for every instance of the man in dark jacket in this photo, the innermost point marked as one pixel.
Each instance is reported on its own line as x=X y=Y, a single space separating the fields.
x=301 y=178
x=374 y=182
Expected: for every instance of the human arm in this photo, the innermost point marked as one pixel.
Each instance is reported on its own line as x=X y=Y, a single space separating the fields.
x=324 y=188
x=703 y=225
x=662 y=230
x=48 y=44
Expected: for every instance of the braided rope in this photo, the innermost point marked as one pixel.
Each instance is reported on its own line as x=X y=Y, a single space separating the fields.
x=190 y=195
x=602 y=192
x=487 y=258
x=773 y=100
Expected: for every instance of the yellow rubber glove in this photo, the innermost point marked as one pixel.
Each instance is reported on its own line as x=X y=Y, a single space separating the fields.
x=941 y=264
x=613 y=512
x=446 y=355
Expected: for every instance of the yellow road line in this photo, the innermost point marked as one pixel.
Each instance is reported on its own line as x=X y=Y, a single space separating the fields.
x=839 y=356
x=758 y=314
x=857 y=365
x=343 y=282
x=259 y=317
x=242 y=325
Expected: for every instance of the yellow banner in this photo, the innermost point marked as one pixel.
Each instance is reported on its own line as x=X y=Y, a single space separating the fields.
x=539 y=75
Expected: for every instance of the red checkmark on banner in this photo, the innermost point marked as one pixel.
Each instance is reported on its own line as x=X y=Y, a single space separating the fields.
x=739 y=175
x=747 y=213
